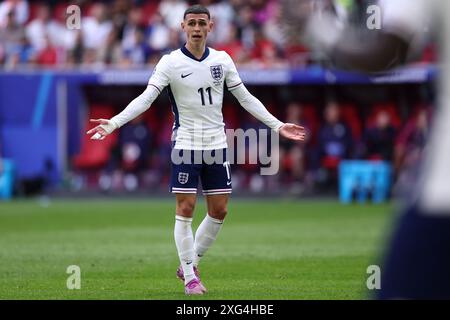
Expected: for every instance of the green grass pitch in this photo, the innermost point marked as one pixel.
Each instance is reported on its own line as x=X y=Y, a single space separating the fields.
x=269 y=249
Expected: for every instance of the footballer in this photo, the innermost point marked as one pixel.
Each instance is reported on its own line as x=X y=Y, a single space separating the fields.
x=195 y=76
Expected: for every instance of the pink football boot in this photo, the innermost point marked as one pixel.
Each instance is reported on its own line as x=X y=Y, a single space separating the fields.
x=194 y=287
x=180 y=275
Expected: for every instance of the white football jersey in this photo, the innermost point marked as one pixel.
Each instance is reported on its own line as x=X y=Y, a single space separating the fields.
x=196 y=88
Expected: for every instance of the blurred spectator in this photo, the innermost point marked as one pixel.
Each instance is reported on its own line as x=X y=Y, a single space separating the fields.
x=245 y=26
x=161 y=160
x=48 y=55
x=20 y=8
x=272 y=26
x=246 y=153
x=335 y=139
x=67 y=38
x=297 y=55
x=264 y=53
x=11 y=35
x=24 y=53
x=97 y=27
x=44 y=26
x=411 y=140
x=334 y=144
x=130 y=156
x=408 y=155
x=76 y=53
x=264 y=10
x=2 y=53
x=172 y=11
x=134 y=143
x=139 y=53
x=234 y=47
x=111 y=52
x=158 y=33
x=119 y=15
x=174 y=42
x=222 y=15
x=132 y=25
x=378 y=140
x=292 y=154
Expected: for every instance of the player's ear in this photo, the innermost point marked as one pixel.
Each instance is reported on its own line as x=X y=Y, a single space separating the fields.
x=211 y=25
x=182 y=25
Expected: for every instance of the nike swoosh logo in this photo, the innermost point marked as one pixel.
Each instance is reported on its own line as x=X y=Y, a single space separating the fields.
x=186 y=75
x=188 y=262
x=228 y=183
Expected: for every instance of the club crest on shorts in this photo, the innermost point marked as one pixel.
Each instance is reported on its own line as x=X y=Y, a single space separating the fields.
x=216 y=73
x=183 y=177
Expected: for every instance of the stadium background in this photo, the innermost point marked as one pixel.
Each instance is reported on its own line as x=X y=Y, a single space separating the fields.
x=52 y=80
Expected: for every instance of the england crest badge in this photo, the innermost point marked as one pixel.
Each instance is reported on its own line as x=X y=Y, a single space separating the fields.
x=183 y=177
x=216 y=73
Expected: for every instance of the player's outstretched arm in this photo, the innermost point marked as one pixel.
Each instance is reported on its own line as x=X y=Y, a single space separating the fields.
x=250 y=103
x=134 y=109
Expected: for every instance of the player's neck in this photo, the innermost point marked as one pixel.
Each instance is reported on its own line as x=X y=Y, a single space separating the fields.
x=197 y=50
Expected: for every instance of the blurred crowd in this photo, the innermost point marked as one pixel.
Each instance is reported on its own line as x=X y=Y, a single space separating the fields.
x=136 y=32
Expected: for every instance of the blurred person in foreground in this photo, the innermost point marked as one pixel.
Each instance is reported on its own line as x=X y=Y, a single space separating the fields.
x=196 y=76
x=417 y=260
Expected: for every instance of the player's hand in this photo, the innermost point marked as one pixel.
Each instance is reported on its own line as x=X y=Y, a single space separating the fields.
x=293 y=132
x=104 y=128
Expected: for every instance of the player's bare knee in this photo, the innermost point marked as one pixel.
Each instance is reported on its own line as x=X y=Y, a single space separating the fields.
x=218 y=213
x=186 y=208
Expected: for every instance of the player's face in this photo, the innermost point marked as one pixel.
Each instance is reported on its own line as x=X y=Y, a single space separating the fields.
x=197 y=27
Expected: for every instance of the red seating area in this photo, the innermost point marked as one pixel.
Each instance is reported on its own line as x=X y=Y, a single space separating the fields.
x=94 y=154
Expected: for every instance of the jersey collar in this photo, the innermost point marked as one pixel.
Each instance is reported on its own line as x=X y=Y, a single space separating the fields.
x=190 y=55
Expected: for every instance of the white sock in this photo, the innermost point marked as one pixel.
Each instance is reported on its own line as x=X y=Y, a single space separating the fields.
x=184 y=241
x=204 y=237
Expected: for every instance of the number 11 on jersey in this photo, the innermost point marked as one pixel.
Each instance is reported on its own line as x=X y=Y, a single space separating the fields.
x=208 y=91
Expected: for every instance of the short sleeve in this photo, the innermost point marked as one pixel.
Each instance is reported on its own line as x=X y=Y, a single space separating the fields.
x=161 y=74
x=232 y=79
